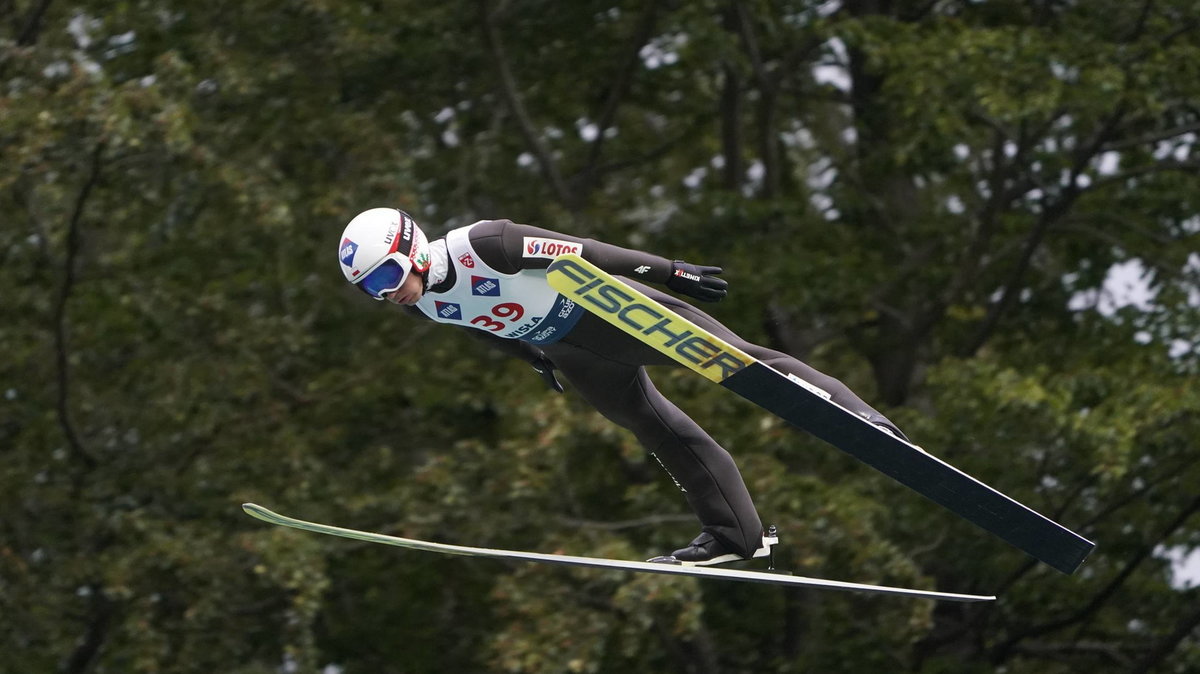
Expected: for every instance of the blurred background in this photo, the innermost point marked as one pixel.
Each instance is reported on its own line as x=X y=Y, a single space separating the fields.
x=981 y=215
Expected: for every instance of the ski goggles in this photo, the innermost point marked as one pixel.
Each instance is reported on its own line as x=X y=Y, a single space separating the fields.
x=387 y=276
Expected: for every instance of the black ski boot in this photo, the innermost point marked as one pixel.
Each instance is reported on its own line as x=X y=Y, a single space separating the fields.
x=706 y=550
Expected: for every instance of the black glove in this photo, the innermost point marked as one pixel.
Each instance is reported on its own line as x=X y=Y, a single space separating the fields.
x=697 y=281
x=545 y=367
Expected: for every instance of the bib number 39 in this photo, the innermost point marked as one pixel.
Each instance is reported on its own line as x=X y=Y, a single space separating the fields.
x=510 y=311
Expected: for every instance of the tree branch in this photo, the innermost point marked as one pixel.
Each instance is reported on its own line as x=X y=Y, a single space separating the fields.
x=769 y=82
x=1050 y=215
x=33 y=24
x=101 y=611
x=731 y=127
x=1098 y=600
x=649 y=520
x=617 y=91
x=661 y=150
x=1161 y=43
x=1032 y=243
x=1156 y=167
x=509 y=90
x=62 y=360
x=1135 y=31
x=1183 y=628
x=1155 y=137
x=1106 y=649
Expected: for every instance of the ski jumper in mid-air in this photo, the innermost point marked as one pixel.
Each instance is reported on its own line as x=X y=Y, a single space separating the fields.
x=490 y=278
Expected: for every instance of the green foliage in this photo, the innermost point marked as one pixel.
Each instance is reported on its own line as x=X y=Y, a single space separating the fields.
x=178 y=341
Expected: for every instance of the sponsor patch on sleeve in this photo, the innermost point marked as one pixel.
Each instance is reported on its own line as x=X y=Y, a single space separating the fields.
x=536 y=246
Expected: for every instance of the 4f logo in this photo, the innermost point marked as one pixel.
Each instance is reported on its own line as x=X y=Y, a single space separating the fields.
x=643 y=269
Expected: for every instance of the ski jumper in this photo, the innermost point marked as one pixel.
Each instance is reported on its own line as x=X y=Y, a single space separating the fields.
x=496 y=288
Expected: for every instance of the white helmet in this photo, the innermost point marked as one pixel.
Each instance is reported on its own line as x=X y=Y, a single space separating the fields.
x=379 y=248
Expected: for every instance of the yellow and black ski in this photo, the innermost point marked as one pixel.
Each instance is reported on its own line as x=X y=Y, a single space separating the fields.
x=807 y=407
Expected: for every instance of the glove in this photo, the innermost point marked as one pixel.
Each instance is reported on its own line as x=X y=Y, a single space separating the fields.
x=545 y=367
x=697 y=281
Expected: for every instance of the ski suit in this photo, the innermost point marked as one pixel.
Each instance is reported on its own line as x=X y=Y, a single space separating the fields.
x=495 y=286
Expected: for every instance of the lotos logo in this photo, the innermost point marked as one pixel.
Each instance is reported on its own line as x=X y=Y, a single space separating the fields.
x=467 y=261
x=448 y=311
x=485 y=286
x=550 y=248
x=346 y=252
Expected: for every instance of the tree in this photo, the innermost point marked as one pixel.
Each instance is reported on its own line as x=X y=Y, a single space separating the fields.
x=924 y=199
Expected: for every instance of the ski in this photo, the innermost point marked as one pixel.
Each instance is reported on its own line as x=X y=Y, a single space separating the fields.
x=810 y=408
x=266 y=515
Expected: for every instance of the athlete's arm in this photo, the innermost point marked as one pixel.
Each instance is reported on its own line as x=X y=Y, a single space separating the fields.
x=509 y=247
x=522 y=350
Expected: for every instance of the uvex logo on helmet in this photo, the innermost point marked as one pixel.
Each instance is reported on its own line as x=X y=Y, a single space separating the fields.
x=413 y=241
x=406 y=235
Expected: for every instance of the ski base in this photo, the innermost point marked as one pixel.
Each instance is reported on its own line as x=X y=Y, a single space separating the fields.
x=773 y=577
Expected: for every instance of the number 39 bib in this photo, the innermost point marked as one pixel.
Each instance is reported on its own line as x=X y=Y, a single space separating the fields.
x=514 y=306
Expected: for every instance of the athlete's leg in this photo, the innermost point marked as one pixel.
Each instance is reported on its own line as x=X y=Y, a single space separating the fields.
x=839 y=392
x=624 y=394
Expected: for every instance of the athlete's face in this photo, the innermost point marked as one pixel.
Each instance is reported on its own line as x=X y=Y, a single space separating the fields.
x=409 y=292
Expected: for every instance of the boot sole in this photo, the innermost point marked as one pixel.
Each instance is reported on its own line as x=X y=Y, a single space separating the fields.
x=763 y=551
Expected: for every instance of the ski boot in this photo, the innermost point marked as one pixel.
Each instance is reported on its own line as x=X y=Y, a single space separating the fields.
x=706 y=550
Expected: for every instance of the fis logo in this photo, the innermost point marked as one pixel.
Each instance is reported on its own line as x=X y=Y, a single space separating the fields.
x=448 y=311
x=467 y=261
x=647 y=320
x=550 y=248
x=488 y=287
x=346 y=252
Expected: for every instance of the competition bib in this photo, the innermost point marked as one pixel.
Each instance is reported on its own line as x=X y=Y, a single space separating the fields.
x=513 y=306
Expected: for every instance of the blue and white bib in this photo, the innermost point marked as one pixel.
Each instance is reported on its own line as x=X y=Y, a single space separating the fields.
x=513 y=306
